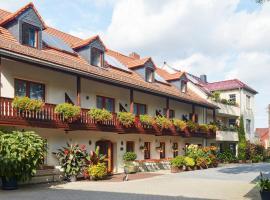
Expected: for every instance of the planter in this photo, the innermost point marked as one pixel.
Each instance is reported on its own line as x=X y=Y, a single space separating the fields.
x=9 y=184
x=249 y=161
x=176 y=169
x=72 y=178
x=130 y=169
x=189 y=168
x=265 y=195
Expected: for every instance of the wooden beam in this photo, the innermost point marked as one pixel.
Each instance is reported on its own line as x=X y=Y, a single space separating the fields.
x=131 y=98
x=168 y=107
x=193 y=113
x=78 y=91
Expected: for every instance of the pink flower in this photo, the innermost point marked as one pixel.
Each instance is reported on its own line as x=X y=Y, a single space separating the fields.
x=82 y=147
x=66 y=152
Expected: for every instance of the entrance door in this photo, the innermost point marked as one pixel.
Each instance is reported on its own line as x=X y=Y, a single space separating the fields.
x=105 y=148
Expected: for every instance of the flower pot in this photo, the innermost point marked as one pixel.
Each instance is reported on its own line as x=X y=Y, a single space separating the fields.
x=265 y=195
x=130 y=169
x=9 y=184
x=72 y=179
x=175 y=169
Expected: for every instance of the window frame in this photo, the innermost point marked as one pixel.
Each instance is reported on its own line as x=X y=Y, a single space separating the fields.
x=27 y=92
x=36 y=29
x=147 y=70
x=132 y=143
x=175 y=145
x=232 y=99
x=248 y=101
x=162 y=154
x=101 y=56
x=137 y=105
x=103 y=102
x=248 y=128
x=183 y=86
x=147 y=151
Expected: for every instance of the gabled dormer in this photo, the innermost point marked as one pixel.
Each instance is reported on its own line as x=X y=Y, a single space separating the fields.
x=92 y=50
x=26 y=26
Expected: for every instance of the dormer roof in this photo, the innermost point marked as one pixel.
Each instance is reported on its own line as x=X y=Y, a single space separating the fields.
x=86 y=42
x=12 y=16
x=168 y=76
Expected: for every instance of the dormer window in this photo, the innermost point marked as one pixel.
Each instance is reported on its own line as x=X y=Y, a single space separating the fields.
x=29 y=35
x=149 y=75
x=96 y=57
x=184 y=86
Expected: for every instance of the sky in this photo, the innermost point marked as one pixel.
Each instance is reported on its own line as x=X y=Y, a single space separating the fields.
x=222 y=39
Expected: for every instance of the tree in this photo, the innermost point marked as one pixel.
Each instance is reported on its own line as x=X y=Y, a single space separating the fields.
x=242 y=140
x=261 y=1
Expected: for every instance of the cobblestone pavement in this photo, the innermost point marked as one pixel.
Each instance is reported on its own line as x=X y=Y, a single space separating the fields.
x=233 y=182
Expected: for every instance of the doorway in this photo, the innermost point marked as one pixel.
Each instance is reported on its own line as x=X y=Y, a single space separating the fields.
x=106 y=149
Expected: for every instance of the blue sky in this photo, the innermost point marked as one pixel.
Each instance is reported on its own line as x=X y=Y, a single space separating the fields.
x=223 y=39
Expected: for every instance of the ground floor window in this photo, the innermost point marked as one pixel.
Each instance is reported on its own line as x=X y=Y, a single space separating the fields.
x=147 y=150
x=175 y=149
x=130 y=146
x=162 y=150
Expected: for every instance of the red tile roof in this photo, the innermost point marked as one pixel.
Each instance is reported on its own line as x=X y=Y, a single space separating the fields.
x=167 y=76
x=228 y=85
x=263 y=133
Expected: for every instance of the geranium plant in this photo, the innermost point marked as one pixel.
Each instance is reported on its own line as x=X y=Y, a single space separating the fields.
x=163 y=122
x=203 y=128
x=192 y=126
x=67 y=110
x=27 y=104
x=146 y=120
x=126 y=118
x=100 y=115
x=179 y=124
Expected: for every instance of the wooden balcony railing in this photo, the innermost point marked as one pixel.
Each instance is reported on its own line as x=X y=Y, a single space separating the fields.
x=47 y=118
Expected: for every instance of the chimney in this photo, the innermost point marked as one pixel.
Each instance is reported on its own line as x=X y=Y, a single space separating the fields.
x=203 y=77
x=134 y=55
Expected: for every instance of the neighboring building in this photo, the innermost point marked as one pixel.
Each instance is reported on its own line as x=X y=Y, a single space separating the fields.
x=263 y=134
x=44 y=63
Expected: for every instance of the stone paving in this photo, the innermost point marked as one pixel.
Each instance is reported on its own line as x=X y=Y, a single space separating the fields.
x=231 y=182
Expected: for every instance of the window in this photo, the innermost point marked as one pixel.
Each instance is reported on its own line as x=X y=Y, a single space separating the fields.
x=171 y=113
x=184 y=86
x=130 y=146
x=30 y=89
x=162 y=150
x=139 y=109
x=175 y=149
x=196 y=117
x=232 y=148
x=29 y=35
x=232 y=98
x=149 y=75
x=96 y=57
x=232 y=122
x=106 y=103
x=147 y=150
x=248 y=122
x=248 y=101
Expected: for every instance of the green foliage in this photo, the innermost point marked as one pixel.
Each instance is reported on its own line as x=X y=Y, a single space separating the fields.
x=20 y=154
x=224 y=101
x=179 y=124
x=212 y=128
x=98 y=171
x=189 y=162
x=264 y=183
x=126 y=118
x=226 y=156
x=163 y=122
x=27 y=104
x=95 y=157
x=203 y=128
x=146 y=119
x=192 y=126
x=202 y=162
x=129 y=156
x=100 y=115
x=216 y=96
x=72 y=159
x=242 y=140
x=67 y=110
x=178 y=161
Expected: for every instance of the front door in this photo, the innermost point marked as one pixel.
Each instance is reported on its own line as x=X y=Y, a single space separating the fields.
x=105 y=148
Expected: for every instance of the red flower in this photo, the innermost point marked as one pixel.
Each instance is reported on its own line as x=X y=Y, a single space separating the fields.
x=82 y=147
x=66 y=152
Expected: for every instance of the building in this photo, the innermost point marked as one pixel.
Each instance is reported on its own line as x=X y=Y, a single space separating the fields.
x=44 y=63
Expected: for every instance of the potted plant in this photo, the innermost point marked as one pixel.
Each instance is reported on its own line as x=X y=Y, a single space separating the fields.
x=67 y=110
x=203 y=128
x=98 y=171
x=23 y=104
x=192 y=126
x=129 y=165
x=179 y=124
x=100 y=115
x=143 y=148
x=126 y=118
x=72 y=159
x=20 y=153
x=163 y=122
x=189 y=163
x=146 y=120
x=177 y=164
x=264 y=185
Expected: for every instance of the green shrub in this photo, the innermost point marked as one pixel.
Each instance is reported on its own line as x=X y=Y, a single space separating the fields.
x=27 y=104
x=257 y=158
x=129 y=156
x=226 y=156
x=242 y=145
x=203 y=128
x=98 y=171
x=212 y=128
x=189 y=162
x=178 y=161
x=192 y=126
x=100 y=115
x=20 y=154
x=179 y=124
x=216 y=96
x=67 y=110
x=163 y=122
x=224 y=101
x=126 y=118
x=146 y=119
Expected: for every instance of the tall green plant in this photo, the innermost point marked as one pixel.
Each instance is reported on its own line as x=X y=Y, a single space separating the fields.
x=242 y=145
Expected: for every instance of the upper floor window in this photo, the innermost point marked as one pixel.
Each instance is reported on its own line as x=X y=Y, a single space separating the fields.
x=139 y=109
x=248 y=122
x=30 y=89
x=232 y=122
x=29 y=35
x=96 y=57
x=171 y=113
x=248 y=101
x=149 y=75
x=184 y=86
x=232 y=98
x=105 y=103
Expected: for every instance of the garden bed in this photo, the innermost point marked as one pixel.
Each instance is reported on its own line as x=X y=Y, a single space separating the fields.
x=152 y=165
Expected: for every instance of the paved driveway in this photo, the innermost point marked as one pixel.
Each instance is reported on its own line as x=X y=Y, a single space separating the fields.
x=231 y=182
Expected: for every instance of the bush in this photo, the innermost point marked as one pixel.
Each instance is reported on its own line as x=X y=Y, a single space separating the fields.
x=257 y=158
x=126 y=118
x=226 y=156
x=178 y=161
x=212 y=128
x=129 y=156
x=20 y=154
x=100 y=115
x=67 y=110
x=201 y=162
x=242 y=140
x=192 y=126
x=179 y=124
x=216 y=96
x=98 y=171
x=27 y=104
x=163 y=122
x=189 y=162
x=203 y=128
x=224 y=101
x=146 y=119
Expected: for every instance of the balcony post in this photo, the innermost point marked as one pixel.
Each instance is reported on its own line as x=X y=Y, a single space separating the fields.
x=131 y=99
x=193 y=113
x=167 y=107
x=78 y=91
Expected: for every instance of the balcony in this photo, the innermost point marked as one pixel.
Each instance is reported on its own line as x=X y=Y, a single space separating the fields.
x=227 y=110
x=230 y=136
x=47 y=118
